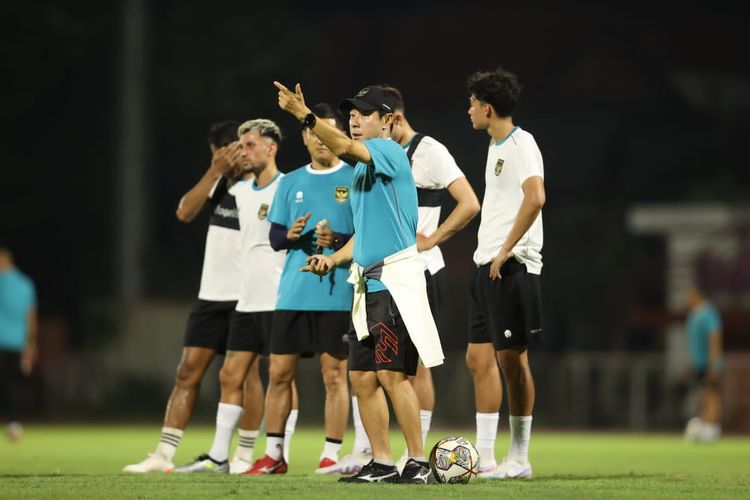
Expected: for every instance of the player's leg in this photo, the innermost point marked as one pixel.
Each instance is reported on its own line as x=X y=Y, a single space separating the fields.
x=11 y=379
x=480 y=358
x=281 y=374
x=710 y=411
x=519 y=382
x=291 y=422
x=329 y=334
x=333 y=371
x=253 y=404
x=190 y=371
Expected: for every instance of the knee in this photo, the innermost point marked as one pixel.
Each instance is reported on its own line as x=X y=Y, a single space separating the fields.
x=280 y=375
x=333 y=380
x=189 y=374
x=230 y=377
x=478 y=364
x=513 y=363
x=363 y=383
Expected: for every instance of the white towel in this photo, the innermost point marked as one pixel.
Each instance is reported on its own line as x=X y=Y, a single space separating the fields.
x=403 y=275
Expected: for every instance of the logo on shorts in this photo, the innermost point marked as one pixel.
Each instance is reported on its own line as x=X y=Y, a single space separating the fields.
x=387 y=341
x=299 y=197
x=507 y=334
x=499 y=166
x=342 y=194
x=263 y=211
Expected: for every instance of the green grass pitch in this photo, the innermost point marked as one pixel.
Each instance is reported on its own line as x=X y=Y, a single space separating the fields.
x=84 y=462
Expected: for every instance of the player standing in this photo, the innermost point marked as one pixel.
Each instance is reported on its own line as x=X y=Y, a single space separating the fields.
x=209 y=321
x=390 y=312
x=505 y=304
x=435 y=172
x=310 y=214
x=260 y=270
x=18 y=337
x=703 y=330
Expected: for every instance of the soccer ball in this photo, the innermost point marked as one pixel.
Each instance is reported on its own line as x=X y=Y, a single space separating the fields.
x=454 y=460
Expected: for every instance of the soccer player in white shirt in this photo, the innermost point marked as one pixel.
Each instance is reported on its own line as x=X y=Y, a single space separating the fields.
x=208 y=325
x=505 y=303
x=435 y=172
x=260 y=271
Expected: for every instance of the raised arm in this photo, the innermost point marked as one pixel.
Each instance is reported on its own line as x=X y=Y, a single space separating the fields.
x=331 y=137
x=222 y=162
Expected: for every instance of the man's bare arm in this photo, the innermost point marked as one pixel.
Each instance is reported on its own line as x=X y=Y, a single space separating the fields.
x=467 y=207
x=222 y=162
x=333 y=138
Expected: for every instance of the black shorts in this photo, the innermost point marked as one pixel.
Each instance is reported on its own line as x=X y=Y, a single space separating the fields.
x=310 y=332
x=389 y=346
x=435 y=292
x=251 y=332
x=208 y=325
x=507 y=311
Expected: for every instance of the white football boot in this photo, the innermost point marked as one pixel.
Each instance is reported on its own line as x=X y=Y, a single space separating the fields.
x=350 y=464
x=239 y=466
x=153 y=463
x=510 y=469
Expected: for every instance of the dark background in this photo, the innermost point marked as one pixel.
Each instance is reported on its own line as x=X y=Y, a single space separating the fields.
x=628 y=104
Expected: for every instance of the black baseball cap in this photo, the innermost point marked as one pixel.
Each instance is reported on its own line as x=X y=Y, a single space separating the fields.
x=372 y=98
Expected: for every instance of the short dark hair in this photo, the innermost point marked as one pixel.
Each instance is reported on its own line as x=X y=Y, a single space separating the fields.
x=324 y=110
x=500 y=89
x=395 y=94
x=222 y=133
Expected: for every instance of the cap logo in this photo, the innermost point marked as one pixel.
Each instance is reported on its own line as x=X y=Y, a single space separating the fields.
x=363 y=92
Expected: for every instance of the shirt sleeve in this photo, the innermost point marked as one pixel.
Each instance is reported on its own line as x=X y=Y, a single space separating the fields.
x=279 y=213
x=530 y=162
x=387 y=156
x=220 y=188
x=442 y=166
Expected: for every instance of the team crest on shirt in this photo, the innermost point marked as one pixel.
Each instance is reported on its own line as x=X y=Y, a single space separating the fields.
x=342 y=194
x=263 y=211
x=499 y=166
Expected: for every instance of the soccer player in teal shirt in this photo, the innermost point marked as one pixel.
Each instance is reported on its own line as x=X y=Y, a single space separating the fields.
x=384 y=202
x=18 y=326
x=310 y=214
x=703 y=330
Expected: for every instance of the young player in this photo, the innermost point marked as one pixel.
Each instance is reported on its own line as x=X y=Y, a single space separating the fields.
x=703 y=330
x=310 y=214
x=18 y=337
x=435 y=172
x=210 y=318
x=260 y=270
x=505 y=304
x=390 y=312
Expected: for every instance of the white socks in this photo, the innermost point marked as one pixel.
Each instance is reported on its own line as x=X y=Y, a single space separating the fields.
x=227 y=417
x=361 y=441
x=520 y=432
x=245 y=445
x=426 y=417
x=331 y=449
x=486 y=434
x=291 y=424
x=275 y=446
x=168 y=442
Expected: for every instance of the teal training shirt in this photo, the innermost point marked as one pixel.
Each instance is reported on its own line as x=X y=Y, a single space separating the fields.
x=701 y=324
x=325 y=195
x=384 y=202
x=17 y=298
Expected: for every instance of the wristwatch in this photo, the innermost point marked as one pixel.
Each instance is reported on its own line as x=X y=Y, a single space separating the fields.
x=309 y=120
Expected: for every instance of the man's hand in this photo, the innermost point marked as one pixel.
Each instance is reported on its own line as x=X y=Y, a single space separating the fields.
x=325 y=235
x=500 y=259
x=225 y=158
x=28 y=359
x=295 y=232
x=319 y=264
x=292 y=102
x=424 y=242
